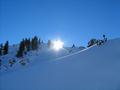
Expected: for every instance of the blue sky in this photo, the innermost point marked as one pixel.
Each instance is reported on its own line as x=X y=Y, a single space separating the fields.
x=74 y=21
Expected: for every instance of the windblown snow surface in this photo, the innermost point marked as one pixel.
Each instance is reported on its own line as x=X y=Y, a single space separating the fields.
x=94 y=68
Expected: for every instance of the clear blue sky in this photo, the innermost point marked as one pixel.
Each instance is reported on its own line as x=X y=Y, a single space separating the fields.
x=74 y=21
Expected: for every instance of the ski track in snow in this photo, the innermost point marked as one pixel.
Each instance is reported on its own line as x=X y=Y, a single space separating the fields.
x=69 y=55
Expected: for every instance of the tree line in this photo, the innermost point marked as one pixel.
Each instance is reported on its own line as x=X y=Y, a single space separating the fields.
x=27 y=45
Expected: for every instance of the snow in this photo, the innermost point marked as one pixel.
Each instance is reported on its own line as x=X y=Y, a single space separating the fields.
x=94 y=68
x=41 y=55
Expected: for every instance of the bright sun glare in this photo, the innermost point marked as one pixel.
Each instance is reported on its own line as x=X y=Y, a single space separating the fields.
x=57 y=45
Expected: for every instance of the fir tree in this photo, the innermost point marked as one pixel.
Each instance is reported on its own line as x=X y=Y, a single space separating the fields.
x=39 y=41
x=49 y=43
x=1 y=46
x=21 y=49
x=34 y=43
x=73 y=45
x=6 y=46
x=27 y=44
x=1 y=49
x=0 y=52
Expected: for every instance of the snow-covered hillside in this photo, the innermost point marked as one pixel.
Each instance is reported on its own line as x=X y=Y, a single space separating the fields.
x=94 y=68
x=34 y=56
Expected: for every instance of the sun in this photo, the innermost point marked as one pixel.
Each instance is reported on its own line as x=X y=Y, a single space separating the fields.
x=57 y=45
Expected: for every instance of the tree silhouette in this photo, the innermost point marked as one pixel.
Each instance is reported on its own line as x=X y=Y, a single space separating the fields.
x=49 y=43
x=6 y=46
x=92 y=42
x=73 y=45
x=0 y=52
x=21 y=49
x=27 y=44
x=35 y=43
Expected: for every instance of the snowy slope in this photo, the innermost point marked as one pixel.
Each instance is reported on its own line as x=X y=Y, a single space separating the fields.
x=41 y=55
x=95 y=68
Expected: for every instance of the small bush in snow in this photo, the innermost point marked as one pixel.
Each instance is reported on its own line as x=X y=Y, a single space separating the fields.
x=98 y=42
x=73 y=46
x=12 y=62
x=104 y=38
x=22 y=62
x=92 y=42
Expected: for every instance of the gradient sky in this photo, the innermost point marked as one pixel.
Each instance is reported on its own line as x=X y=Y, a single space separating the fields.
x=74 y=21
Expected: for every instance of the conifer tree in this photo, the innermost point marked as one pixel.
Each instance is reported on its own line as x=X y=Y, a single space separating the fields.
x=1 y=46
x=27 y=44
x=1 y=49
x=34 y=43
x=0 y=52
x=21 y=49
x=6 y=46
x=39 y=41
x=73 y=45
x=49 y=43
